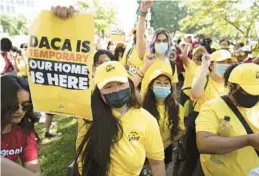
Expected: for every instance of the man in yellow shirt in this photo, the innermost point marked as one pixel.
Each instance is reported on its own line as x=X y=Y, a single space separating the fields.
x=228 y=143
x=208 y=85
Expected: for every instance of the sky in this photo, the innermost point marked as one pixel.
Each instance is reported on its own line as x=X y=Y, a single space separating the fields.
x=126 y=10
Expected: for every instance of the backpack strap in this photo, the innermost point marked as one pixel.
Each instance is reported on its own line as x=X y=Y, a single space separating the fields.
x=239 y=116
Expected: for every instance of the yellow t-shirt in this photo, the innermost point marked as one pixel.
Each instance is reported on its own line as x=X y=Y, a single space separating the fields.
x=236 y=163
x=134 y=63
x=212 y=90
x=22 y=66
x=129 y=51
x=190 y=72
x=141 y=138
x=255 y=50
x=157 y=65
x=163 y=122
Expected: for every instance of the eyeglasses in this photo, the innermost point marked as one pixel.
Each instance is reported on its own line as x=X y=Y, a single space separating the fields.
x=26 y=106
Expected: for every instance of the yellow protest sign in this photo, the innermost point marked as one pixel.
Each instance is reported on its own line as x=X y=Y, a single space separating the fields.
x=60 y=64
x=117 y=37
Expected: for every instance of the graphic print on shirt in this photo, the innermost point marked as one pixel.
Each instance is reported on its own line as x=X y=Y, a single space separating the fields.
x=133 y=136
x=11 y=152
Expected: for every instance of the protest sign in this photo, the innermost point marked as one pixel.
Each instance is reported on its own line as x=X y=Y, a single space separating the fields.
x=60 y=64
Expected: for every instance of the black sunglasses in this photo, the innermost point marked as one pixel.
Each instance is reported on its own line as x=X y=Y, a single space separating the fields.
x=26 y=106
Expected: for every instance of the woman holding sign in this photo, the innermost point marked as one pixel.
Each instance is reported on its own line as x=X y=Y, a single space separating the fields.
x=122 y=134
x=18 y=139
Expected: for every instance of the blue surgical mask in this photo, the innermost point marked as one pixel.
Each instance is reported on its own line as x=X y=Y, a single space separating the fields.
x=161 y=92
x=221 y=69
x=161 y=48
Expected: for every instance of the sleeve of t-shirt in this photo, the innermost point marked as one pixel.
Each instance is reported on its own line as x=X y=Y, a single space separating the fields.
x=153 y=141
x=83 y=128
x=181 y=116
x=207 y=119
x=30 y=148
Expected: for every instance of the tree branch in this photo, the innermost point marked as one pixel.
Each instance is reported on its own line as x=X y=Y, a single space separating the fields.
x=249 y=27
x=234 y=25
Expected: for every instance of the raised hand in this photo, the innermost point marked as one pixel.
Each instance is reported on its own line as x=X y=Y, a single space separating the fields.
x=206 y=60
x=145 y=5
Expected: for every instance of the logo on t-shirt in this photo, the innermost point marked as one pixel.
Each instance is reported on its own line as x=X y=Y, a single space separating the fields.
x=17 y=151
x=133 y=136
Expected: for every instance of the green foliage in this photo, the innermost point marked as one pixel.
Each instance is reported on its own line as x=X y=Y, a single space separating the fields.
x=103 y=17
x=167 y=14
x=57 y=154
x=14 y=25
x=221 y=18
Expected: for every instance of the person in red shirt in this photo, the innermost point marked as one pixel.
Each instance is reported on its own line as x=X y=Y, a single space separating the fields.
x=18 y=138
x=6 y=46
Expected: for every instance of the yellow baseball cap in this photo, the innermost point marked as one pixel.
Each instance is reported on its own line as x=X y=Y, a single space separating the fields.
x=160 y=72
x=110 y=71
x=199 y=48
x=221 y=55
x=247 y=76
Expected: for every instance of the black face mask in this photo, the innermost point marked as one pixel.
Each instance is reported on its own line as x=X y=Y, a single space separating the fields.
x=118 y=99
x=245 y=100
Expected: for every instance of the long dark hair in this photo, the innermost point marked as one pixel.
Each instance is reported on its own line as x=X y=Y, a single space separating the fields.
x=171 y=107
x=10 y=85
x=118 y=50
x=100 y=52
x=105 y=130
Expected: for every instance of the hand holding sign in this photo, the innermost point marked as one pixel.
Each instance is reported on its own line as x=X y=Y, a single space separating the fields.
x=63 y=12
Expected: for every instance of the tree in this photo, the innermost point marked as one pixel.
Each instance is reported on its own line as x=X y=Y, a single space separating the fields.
x=167 y=14
x=14 y=25
x=103 y=18
x=221 y=18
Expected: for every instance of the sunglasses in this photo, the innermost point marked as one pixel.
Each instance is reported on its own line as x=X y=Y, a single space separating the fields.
x=26 y=106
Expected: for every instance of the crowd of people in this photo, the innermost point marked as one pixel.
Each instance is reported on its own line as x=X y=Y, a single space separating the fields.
x=150 y=98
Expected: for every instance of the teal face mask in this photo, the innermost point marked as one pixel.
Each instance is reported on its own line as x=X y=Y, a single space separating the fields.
x=221 y=69
x=161 y=92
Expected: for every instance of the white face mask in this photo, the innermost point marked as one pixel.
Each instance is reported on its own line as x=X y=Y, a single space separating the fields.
x=161 y=48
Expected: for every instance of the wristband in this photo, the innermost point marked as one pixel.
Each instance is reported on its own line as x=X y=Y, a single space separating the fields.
x=143 y=14
x=139 y=75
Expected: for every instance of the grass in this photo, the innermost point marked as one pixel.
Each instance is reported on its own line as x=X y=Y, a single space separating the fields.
x=56 y=154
